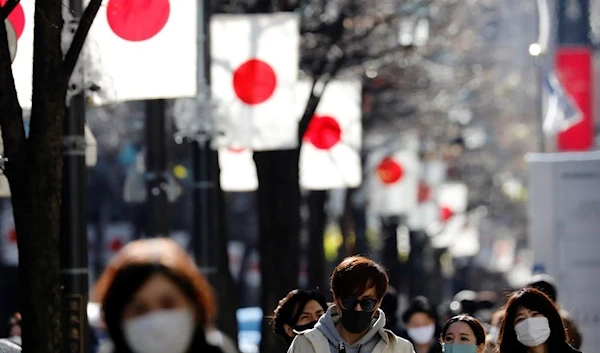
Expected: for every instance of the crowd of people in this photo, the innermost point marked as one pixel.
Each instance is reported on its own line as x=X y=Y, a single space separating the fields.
x=154 y=299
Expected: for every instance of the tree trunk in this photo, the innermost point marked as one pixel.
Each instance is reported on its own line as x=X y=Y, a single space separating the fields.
x=279 y=225
x=36 y=188
x=316 y=230
x=222 y=281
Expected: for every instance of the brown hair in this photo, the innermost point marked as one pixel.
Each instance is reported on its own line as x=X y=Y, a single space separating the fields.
x=356 y=274
x=134 y=265
x=535 y=300
x=474 y=324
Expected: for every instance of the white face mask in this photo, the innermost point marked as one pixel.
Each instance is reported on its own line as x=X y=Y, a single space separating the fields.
x=533 y=331
x=423 y=334
x=160 y=331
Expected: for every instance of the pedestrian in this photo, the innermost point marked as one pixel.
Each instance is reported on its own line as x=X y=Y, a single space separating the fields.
x=532 y=324
x=298 y=311
x=155 y=300
x=354 y=323
x=463 y=334
x=389 y=305
x=545 y=284
x=420 y=321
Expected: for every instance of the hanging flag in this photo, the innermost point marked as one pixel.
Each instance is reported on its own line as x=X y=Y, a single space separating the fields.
x=237 y=170
x=143 y=50
x=21 y=22
x=452 y=200
x=329 y=156
x=254 y=68
x=561 y=111
x=394 y=182
x=425 y=213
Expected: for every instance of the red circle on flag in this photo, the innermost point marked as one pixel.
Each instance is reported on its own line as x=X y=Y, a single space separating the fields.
x=254 y=81
x=446 y=213
x=16 y=18
x=137 y=20
x=389 y=171
x=115 y=245
x=323 y=132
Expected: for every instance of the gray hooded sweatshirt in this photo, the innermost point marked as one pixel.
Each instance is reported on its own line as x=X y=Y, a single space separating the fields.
x=366 y=344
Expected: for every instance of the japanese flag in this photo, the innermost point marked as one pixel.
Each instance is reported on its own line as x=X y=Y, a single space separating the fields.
x=452 y=200
x=254 y=67
x=21 y=23
x=426 y=212
x=237 y=170
x=329 y=156
x=144 y=50
x=394 y=182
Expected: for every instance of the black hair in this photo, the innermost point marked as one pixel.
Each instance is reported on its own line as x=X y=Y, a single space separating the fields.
x=545 y=284
x=535 y=300
x=419 y=304
x=290 y=308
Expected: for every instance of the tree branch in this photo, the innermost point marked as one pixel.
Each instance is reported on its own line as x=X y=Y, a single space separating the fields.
x=79 y=39
x=8 y=7
x=11 y=114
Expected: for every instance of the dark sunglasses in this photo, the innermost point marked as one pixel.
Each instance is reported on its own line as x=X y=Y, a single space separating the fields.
x=366 y=304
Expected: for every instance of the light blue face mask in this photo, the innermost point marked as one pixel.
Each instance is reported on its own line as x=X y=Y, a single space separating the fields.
x=459 y=348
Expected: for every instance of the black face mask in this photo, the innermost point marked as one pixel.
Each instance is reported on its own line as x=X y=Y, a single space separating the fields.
x=356 y=321
x=305 y=327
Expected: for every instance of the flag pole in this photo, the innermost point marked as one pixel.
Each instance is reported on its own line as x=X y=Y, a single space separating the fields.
x=73 y=225
x=205 y=191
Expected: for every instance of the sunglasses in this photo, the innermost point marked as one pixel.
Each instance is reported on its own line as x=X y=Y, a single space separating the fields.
x=366 y=304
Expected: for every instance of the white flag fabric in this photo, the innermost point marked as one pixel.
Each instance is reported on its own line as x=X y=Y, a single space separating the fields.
x=254 y=69
x=237 y=170
x=143 y=50
x=394 y=182
x=561 y=112
x=426 y=212
x=452 y=199
x=330 y=151
x=21 y=20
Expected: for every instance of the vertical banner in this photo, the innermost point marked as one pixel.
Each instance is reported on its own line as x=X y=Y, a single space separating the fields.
x=574 y=67
x=574 y=70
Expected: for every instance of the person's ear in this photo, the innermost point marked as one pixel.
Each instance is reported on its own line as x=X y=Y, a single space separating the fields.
x=481 y=348
x=288 y=330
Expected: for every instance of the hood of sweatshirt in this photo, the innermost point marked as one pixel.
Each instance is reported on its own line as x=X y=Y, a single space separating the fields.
x=327 y=325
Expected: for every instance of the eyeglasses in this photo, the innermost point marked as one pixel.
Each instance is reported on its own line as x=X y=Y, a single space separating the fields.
x=366 y=304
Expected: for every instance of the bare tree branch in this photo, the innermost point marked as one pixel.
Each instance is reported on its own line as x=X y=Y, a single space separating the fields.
x=11 y=116
x=8 y=8
x=79 y=39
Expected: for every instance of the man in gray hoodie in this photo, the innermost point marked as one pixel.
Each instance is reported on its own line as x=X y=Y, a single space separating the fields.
x=354 y=324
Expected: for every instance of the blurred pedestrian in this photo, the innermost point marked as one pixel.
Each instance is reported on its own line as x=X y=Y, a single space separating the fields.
x=155 y=300
x=545 y=283
x=491 y=341
x=13 y=330
x=298 y=311
x=532 y=324
x=389 y=305
x=354 y=324
x=463 y=334
x=420 y=321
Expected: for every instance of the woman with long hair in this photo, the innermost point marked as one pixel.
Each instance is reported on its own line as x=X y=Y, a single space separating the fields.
x=155 y=300
x=532 y=324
